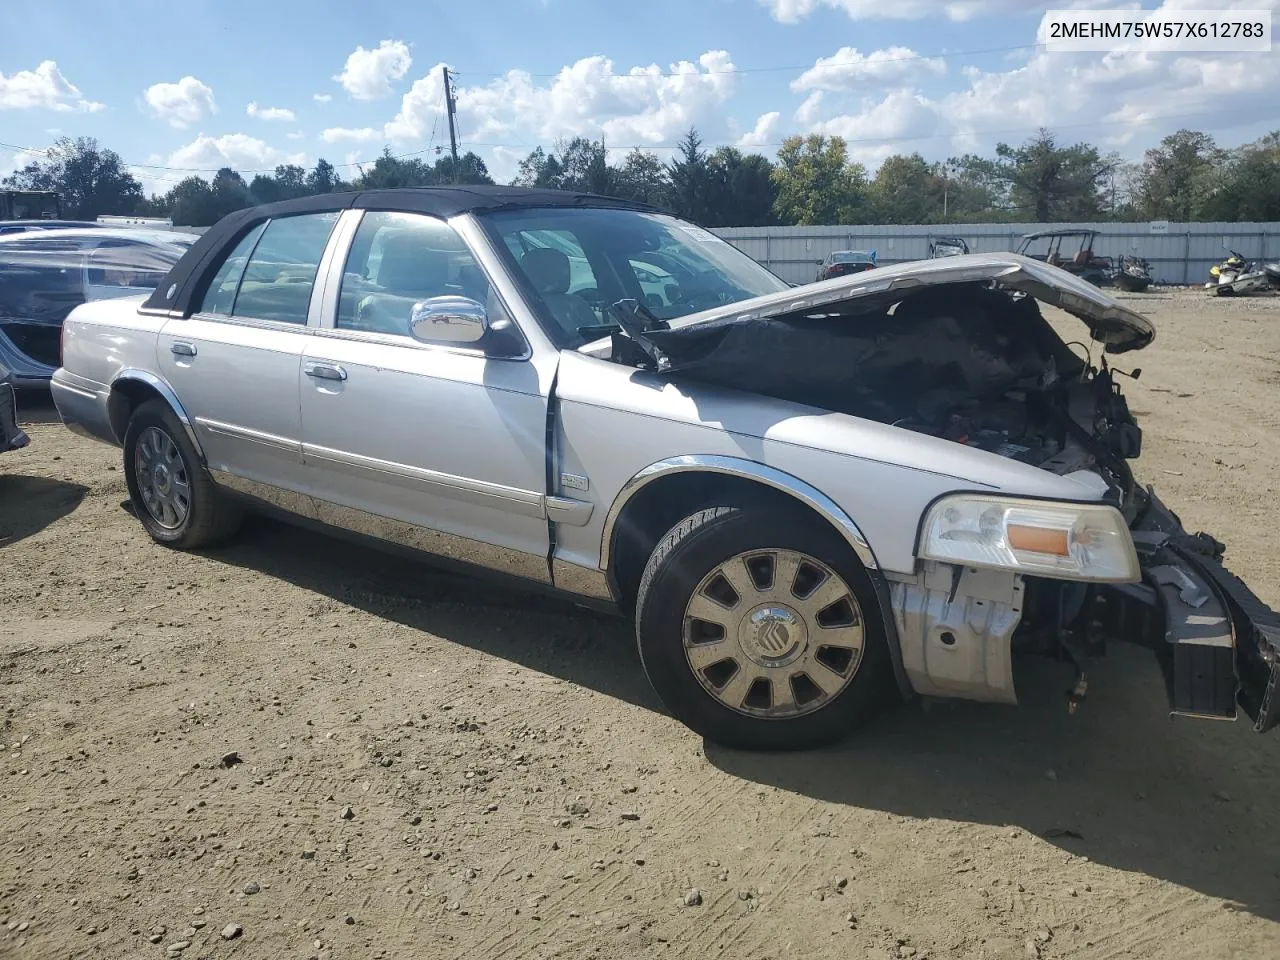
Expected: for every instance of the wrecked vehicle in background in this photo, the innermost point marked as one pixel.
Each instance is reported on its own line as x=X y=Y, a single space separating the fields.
x=45 y=274
x=808 y=499
x=947 y=247
x=1133 y=273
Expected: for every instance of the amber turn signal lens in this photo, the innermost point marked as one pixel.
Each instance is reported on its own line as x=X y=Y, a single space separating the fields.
x=1039 y=540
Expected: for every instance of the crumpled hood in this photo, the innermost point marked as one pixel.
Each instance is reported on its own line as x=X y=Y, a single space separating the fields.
x=1109 y=321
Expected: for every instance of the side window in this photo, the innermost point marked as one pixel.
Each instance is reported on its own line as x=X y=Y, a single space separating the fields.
x=399 y=259
x=221 y=295
x=281 y=272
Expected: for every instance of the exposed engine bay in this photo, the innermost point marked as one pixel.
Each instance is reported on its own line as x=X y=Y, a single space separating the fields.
x=971 y=363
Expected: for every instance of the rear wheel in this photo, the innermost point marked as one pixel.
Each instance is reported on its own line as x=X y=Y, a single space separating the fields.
x=172 y=493
x=761 y=630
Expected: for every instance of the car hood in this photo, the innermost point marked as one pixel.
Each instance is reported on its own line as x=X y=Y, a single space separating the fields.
x=1109 y=321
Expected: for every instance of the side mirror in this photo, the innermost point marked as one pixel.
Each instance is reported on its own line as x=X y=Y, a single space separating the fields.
x=457 y=320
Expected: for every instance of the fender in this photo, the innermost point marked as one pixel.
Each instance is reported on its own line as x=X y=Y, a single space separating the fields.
x=747 y=469
x=785 y=483
x=161 y=386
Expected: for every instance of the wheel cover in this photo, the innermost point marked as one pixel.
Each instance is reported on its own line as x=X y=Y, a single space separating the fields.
x=163 y=482
x=773 y=634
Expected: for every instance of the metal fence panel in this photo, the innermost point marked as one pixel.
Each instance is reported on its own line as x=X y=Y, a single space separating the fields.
x=1179 y=252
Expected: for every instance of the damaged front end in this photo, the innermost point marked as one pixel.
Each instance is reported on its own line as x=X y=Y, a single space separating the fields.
x=957 y=349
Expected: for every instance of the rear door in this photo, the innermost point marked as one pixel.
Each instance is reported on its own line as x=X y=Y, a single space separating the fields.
x=234 y=362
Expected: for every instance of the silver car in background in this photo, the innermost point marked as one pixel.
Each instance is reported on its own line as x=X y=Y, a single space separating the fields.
x=808 y=499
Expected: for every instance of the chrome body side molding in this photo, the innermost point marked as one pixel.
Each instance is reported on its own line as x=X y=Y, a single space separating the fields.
x=750 y=470
x=434 y=542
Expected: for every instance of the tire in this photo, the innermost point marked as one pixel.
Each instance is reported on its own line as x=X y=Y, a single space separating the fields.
x=201 y=515
x=784 y=707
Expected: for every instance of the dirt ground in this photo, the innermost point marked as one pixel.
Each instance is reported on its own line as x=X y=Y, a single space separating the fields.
x=435 y=767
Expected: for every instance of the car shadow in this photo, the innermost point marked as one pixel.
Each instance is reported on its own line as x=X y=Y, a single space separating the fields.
x=496 y=615
x=1120 y=782
x=29 y=504
x=1187 y=801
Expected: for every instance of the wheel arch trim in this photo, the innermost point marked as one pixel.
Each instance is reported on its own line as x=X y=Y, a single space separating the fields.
x=752 y=470
x=169 y=395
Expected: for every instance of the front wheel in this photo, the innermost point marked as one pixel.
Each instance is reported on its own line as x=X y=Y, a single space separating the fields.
x=759 y=629
x=172 y=493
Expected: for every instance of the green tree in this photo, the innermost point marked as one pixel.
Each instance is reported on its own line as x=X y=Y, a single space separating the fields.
x=741 y=190
x=324 y=179
x=190 y=203
x=1042 y=181
x=538 y=169
x=287 y=183
x=1248 y=187
x=906 y=189
x=229 y=193
x=1176 y=178
x=91 y=181
x=390 y=171
x=643 y=178
x=578 y=164
x=470 y=169
x=817 y=183
x=690 y=179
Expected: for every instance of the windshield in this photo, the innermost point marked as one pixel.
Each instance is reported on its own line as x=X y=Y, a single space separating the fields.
x=576 y=263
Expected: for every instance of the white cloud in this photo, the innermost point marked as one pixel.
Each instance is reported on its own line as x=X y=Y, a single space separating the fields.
x=847 y=69
x=296 y=135
x=236 y=150
x=880 y=128
x=44 y=87
x=765 y=132
x=349 y=135
x=809 y=111
x=793 y=11
x=322 y=97
x=369 y=74
x=643 y=106
x=1118 y=101
x=180 y=104
x=270 y=113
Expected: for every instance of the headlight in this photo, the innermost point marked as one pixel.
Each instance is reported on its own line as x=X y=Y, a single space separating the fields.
x=1071 y=541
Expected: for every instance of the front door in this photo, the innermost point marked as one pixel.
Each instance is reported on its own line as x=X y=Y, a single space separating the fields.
x=436 y=446
x=234 y=363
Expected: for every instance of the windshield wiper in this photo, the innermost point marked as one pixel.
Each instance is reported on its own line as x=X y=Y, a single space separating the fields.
x=635 y=320
x=594 y=331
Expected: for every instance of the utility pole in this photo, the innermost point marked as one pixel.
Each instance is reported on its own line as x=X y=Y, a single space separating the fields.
x=451 y=107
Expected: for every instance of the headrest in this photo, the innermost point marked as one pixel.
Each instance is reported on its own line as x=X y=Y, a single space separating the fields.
x=548 y=269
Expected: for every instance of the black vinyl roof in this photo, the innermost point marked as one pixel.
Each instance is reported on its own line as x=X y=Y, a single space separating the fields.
x=177 y=289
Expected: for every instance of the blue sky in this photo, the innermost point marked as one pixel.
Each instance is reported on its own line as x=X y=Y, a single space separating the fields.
x=181 y=85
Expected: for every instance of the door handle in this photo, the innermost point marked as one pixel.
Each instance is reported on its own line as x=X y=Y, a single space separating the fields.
x=324 y=371
x=180 y=348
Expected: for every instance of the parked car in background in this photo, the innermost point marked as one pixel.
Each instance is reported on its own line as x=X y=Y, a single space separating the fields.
x=840 y=263
x=807 y=499
x=947 y=247
x=45 y=274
